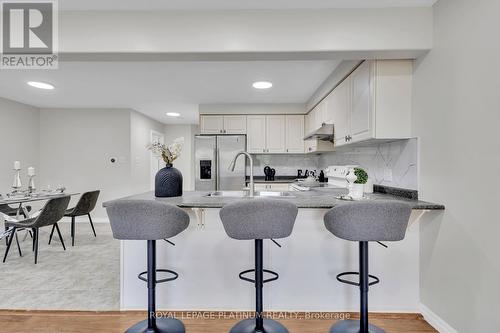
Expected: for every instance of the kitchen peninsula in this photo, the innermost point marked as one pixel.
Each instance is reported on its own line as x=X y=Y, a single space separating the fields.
x=208 y=261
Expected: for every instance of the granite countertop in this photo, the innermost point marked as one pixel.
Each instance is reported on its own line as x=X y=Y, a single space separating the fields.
x=324 y=198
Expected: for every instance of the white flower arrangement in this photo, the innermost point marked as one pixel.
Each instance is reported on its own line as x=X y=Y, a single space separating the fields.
x=167 y=153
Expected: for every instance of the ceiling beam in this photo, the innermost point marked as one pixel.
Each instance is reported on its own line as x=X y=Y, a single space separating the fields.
x=245 y=35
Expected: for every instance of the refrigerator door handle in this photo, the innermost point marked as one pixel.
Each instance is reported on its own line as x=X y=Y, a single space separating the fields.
x=217 y=175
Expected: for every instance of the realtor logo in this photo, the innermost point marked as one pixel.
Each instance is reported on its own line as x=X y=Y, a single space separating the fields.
x=29 y=35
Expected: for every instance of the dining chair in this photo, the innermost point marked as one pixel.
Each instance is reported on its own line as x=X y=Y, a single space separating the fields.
x=12 y=211
x=50 y=214
x=85 y=206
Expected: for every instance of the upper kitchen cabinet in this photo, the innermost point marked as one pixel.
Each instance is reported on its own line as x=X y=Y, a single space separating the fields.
x=211 y=124
x=256 y=134
x=217 y=124
x=373 y=102
x=275 y=134
x=360 y=119
x=338 y=110
x=235 y=124
x=313 y=121
x=294 y=133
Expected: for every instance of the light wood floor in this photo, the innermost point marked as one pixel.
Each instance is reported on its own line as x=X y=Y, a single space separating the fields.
x=118 y=322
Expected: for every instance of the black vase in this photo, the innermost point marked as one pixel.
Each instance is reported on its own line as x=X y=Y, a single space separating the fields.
x=168 y=182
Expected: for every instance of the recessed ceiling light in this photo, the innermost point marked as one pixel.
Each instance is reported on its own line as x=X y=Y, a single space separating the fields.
x=173 y=114
x=41 y=85
x=262 y=85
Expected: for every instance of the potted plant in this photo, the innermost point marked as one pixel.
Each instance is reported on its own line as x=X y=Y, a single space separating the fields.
x=357 y=189
x=168 y=181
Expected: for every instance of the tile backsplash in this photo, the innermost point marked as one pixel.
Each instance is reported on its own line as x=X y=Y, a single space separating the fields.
x=285 y=165
x=383 y=161
x=389 y=163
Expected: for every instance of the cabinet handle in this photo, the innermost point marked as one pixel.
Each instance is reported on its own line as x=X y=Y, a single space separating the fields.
x=310 y=148
x=287 y=150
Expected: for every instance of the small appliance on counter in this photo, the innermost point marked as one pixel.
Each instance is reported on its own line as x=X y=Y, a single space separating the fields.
x=343 y=176
x=321 y=177
x=270 y=173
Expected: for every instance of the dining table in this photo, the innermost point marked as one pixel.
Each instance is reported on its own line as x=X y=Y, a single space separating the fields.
x=28 y=198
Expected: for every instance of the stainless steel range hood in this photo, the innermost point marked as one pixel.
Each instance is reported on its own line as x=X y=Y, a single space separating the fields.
x=324 y=133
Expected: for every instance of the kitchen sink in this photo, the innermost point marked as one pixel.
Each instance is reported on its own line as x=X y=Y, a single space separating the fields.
x=229 y=194
x=244 y=194
x=273 y=194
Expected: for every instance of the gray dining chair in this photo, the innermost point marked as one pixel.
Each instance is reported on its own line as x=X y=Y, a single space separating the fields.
x=50 y=214
x=85 y=206
x=12 y=211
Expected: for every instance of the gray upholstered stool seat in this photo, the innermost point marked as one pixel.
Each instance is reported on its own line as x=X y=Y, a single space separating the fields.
x=151 y=221
x=258 y=219
x=363 y=222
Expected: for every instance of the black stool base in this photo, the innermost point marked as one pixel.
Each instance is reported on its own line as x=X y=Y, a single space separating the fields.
x=163 y=325
x=352 y=326
x=248 y=326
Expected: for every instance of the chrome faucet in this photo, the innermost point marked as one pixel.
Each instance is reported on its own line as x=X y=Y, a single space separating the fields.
x=233 y=164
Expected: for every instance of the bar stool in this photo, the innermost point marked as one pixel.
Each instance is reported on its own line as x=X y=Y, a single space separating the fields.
x=363 y=222
x=258 y=219
x=151 y=221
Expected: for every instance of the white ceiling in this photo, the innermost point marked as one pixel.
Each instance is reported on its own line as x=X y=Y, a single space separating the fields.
x=155 y=88
x=234 y=4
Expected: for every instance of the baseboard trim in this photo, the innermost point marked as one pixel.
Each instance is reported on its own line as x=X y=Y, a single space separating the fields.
x=435 y=321
x=84 y=219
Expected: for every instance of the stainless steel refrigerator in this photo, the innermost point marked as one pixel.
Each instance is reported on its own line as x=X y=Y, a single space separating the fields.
x=213 y=154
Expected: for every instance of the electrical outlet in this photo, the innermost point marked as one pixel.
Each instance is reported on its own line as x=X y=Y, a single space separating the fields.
x=388 y=175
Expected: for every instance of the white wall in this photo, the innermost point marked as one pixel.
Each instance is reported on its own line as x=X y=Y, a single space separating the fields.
x=19 y=136
x=76 y=146
x=456 y=116
x=140 y=136
x=185 y=163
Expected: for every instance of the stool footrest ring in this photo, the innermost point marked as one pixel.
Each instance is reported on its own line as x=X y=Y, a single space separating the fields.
x=173 y=277
x=274 y=274
x=375 y=279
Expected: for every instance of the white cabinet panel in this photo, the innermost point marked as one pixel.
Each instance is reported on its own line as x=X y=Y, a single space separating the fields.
x=256 y=134
x=338 y=107
x=235 y=124
x=294 y=133
x=361 y=114
x=275 y=134
x=211 y=124
x=320 y=114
